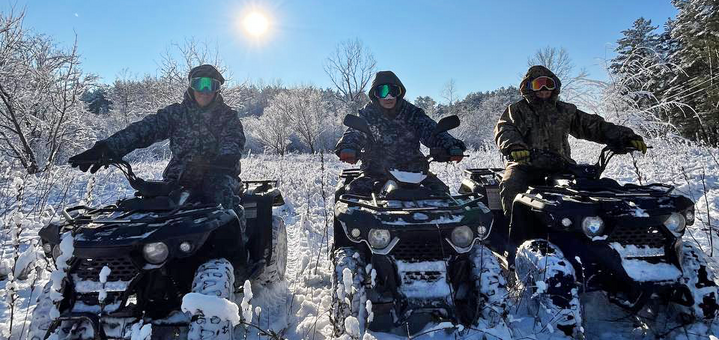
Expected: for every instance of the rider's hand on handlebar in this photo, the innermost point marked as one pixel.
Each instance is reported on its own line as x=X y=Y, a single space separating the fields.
x=348 y=156
x=639 y=145
x=455 y=154
x=96 y=157
x=520 y=156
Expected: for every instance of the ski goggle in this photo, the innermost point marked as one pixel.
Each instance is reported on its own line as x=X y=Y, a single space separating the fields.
x=537 y=83
x=382 y=91
x=205 y=84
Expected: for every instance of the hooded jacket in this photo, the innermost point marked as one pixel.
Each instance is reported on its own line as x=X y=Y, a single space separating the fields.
x=533 y=123
x=396 y=133
x=195 y=133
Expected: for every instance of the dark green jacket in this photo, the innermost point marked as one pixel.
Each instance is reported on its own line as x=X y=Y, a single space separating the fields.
x=533 y=123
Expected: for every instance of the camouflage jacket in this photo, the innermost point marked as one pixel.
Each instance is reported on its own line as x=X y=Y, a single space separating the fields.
x=396 y=140
x=196 y=134
x=535 y=124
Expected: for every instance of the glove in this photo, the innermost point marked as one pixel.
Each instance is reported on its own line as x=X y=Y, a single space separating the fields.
x=639 y=145
x=520 y=156
x=348 y=156
x=455 y=154
x=97 y=156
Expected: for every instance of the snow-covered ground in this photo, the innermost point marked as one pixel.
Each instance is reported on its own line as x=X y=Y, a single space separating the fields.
x=299 y=307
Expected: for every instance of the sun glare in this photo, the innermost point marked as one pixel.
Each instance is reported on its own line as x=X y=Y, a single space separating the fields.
x=256 y=24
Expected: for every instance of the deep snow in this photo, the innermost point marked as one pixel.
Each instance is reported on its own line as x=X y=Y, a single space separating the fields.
x=298 y=308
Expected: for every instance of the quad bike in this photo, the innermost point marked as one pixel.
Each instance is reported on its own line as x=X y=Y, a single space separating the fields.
x=406 y=255
x=576 y=232
x=133 y=262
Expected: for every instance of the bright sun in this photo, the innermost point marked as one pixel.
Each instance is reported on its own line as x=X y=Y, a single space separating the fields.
x=256 y=24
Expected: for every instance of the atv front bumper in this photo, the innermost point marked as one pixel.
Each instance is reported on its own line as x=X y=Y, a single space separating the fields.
x=100 y=329
x=408 y=296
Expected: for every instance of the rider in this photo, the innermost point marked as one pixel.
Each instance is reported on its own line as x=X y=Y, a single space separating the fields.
x=541 y=121
x=202 y=130
x=397 y=129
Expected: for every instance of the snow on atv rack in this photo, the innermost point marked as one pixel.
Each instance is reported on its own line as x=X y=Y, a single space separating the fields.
x=649 y=190
x=434 y=204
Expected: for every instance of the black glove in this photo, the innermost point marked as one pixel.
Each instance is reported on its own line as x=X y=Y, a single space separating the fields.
x=97 y=156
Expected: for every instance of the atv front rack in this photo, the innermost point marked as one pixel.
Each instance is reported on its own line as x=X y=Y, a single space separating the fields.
x=473 y=199
x=650 y=190
x=123 y=218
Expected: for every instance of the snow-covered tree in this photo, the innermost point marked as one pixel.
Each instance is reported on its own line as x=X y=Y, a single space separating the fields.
x=41 y=115
x=696 y=31
x=97 y=99
x=638 y=45
x=479 y=113
x=304 y=109
x=273 y=129
x=427 y=104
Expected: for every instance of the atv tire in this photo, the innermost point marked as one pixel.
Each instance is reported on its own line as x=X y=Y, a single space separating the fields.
x=275 y=269
x=41 y=320
x=348 y=314
x=549 y=284
x=213 y=278
x=700 y=277
x=490 y=284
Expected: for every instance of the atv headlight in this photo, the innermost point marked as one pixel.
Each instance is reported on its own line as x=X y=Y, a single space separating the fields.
x=675 y=223
x=378 y=238
x=592 y=226
x=462 y=236
x=156 y=252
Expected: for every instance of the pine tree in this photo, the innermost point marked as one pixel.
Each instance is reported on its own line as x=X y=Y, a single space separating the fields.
x=639 y=45
x=696 y=31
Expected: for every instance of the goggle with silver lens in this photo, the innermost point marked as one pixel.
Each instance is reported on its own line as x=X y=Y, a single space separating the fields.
x=205 y=84
x=382 y=91
x=538 y=83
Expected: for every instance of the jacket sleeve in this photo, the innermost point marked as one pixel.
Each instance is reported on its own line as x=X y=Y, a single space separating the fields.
x=232 y=140
x=594 y=128
x=425 y=126
x=141 y=134
x=351 y=139
x=507 y=133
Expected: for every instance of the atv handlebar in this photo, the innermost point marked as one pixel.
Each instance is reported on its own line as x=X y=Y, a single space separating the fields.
x=553 y=161
x=436 y=154
x=148 y=188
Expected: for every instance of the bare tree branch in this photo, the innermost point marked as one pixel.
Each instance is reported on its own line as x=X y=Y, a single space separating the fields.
x=350 y=68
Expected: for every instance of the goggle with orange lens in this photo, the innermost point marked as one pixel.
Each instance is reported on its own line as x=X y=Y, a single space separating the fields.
x=538 y=83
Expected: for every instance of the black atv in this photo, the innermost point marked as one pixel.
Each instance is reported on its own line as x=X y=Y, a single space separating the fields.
x=132 y=263
x=576 y=232
x=406 y=255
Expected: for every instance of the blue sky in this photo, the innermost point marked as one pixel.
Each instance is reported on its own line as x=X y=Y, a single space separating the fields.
x=481 y=44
